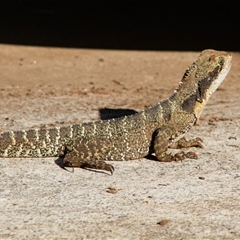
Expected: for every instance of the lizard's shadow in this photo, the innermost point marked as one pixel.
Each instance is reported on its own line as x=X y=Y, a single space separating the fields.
x=152 y=158
x=59 y=162
x=105 y=114
x=108 y=113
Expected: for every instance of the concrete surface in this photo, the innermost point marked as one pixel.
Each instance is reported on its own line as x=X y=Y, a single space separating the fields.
x=144 y=199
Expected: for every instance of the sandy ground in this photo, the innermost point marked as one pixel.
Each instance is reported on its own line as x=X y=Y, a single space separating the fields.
x=144 y=199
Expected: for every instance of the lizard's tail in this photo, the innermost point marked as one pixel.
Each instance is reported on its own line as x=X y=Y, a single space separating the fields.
x=35 y=142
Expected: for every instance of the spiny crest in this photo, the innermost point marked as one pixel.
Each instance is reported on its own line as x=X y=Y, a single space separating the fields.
x=188 y=72
x=185 y=77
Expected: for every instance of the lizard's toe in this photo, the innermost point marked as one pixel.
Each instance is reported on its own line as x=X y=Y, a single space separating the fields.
x=183 y=155
x=197 y=142
x=99 y=165
x=191 y=155
x=179 y=156
x=109 y=168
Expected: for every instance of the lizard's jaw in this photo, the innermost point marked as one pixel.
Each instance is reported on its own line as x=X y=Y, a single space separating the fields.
x=214 y=85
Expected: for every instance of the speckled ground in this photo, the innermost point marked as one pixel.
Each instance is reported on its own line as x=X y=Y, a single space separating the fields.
x=144 y=199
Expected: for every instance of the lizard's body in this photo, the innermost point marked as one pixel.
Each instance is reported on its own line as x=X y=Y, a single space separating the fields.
x=153 y=130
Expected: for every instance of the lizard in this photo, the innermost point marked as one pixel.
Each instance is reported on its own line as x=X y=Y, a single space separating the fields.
x=154 y=130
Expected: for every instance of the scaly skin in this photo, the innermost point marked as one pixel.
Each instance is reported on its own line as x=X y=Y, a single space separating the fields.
x=131 y=137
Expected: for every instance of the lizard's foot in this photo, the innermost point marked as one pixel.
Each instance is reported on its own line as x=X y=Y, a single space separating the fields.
x=182 y=155
x=168 y=157
x=183 y=143
x=75 y=161
x=100 y=165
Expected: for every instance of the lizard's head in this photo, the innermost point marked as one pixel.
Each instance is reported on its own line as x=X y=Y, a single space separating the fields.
x=202 y=78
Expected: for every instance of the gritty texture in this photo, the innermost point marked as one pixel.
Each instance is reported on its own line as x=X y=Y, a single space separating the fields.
x=144 y=199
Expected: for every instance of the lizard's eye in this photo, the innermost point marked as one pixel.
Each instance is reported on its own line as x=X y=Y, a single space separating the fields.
x=221 y=61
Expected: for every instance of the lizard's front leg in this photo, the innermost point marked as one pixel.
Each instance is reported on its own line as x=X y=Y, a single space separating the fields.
x=161 y=145
x=86 y=154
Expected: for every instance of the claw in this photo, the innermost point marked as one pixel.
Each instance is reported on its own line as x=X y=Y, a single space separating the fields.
x=197 y=142
x=192 y=155
x=109 y=168
x=198 y=139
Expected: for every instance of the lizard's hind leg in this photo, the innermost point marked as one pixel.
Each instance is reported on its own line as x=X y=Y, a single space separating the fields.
x=72 y=159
